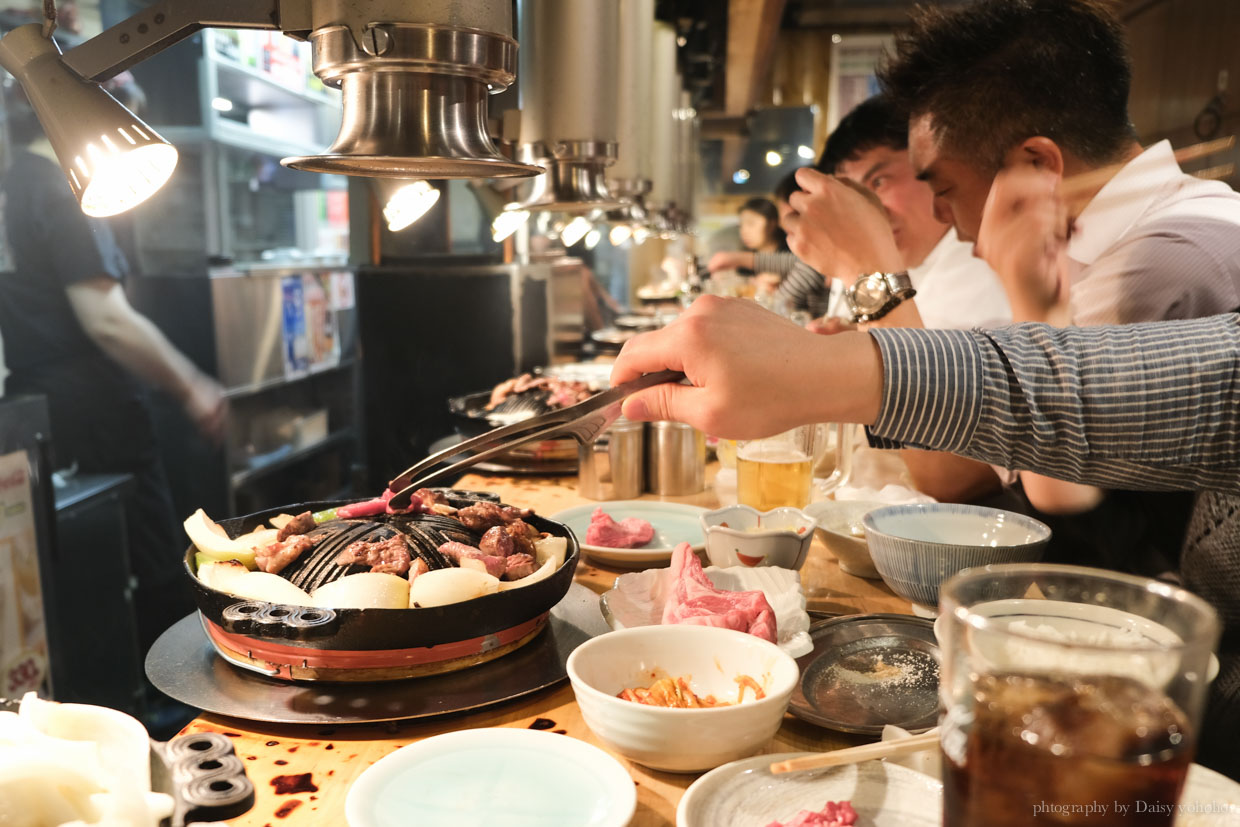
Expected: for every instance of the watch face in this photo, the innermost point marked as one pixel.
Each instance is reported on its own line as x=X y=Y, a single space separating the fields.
x=870 y=294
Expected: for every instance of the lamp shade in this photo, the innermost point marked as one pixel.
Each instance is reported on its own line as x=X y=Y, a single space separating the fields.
x=113 y=160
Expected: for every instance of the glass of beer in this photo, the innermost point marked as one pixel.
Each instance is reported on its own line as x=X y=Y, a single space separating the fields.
x=776 y=471
x=1070 y=696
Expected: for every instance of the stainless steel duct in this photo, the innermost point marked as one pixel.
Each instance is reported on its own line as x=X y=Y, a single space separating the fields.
x=568 y=108
x=664 y=101
x=415 y=79
x=629 y=178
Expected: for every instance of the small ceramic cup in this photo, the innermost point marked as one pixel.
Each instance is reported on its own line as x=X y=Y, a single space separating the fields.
x=742 y=536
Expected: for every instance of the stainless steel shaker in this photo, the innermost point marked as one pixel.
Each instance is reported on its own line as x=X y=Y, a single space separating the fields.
x=675 y=459
x=612 y=467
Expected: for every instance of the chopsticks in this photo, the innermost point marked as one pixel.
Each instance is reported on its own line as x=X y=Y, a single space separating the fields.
x=1085 y=183
x=855 y=755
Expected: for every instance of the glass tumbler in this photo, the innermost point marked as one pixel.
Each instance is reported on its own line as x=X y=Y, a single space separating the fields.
x=1070 y=695
x=776 y=471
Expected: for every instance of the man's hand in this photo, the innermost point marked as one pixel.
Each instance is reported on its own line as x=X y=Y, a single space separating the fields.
x=840 y=229
x=206 y=406
x=1023 y=237
x=730 y=261
x=752 y=372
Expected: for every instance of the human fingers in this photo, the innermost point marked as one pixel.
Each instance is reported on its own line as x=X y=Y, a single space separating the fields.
x=646 y=353
x=811 y=180
x=669 y=401
x=721 y=261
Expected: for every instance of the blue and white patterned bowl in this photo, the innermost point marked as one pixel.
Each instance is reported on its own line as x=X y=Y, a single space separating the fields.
x=916 y=547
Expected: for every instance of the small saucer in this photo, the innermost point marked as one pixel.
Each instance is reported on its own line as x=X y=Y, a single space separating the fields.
x=867 y=671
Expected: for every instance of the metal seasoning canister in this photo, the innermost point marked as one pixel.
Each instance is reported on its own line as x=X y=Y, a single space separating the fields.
x=675 y=459
x=610 y=468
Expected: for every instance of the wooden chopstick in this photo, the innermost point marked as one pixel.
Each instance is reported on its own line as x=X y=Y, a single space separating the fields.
x=855 y=755
x=1086 y=182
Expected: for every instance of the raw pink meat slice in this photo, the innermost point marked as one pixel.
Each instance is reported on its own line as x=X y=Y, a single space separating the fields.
x=694 y=599
x=631 y=532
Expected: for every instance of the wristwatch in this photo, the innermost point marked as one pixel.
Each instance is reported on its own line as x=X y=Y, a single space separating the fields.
x=875 y=295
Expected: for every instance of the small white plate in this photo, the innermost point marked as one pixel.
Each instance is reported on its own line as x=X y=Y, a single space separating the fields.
x=500 y=777
x=673 y=523
x=745 y=793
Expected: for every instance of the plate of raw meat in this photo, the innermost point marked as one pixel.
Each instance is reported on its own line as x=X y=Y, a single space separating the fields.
x=634 y=533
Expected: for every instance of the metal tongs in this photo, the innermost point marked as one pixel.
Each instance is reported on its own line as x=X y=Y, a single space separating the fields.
x=583 y=422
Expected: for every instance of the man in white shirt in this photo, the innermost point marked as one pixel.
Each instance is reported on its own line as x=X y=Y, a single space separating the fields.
x=1042 y=86
x=869 y=148
x=954 y=289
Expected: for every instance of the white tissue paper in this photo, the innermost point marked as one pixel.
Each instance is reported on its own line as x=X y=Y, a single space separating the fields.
x=926 y=761
x=638 y=599
x=891 y=494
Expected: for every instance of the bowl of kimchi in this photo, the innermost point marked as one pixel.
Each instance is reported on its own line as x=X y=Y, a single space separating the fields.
x=682 y=698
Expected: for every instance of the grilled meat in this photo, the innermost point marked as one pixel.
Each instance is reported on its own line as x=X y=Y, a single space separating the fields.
x=303 y=523
x=275 y=557
x=458 y=552
x=484 y=515
x=496 y=541
x=517 y=566
x=390 y=555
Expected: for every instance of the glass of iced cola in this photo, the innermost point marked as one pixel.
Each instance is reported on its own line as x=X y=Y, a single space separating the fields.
x=1070 y=695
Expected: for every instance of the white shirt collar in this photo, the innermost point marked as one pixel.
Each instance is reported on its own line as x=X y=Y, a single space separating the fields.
x=1121 y=202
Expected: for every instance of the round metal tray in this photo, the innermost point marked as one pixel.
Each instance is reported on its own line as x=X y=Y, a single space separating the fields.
x=866 y=671
x=184 y=665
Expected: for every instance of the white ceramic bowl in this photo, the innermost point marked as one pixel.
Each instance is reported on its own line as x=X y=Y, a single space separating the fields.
x=916 y=547
x=836 y=522
x=710 y=659
x=738 y=535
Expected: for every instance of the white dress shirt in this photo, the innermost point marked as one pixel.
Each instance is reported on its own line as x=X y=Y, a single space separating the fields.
x=1155 y=243
x=955 y=290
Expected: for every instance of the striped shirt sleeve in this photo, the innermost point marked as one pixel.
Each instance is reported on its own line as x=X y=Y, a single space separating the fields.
x=804 y=288
x=1150 y=406
x=780 y=263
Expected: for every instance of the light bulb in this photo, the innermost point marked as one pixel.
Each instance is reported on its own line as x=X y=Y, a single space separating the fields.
x=576 y=230
x=507 y=223
x=409 y=203
x=773 y=158
x=593 y=238
x=619 y=234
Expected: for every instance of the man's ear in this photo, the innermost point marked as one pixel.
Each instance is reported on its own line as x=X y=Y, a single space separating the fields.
x=1039 y=151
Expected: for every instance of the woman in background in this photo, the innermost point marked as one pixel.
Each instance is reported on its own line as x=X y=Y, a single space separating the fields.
x=760 y=233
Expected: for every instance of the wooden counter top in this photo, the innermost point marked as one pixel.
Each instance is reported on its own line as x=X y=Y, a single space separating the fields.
x=327 y=759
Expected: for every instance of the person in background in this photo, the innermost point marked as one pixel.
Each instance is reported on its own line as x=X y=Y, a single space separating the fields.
x=760 y=233
x=954 y=289
x=71 y=335
x=801 y=287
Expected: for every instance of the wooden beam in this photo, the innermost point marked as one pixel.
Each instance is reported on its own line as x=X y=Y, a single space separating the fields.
x=752 y=28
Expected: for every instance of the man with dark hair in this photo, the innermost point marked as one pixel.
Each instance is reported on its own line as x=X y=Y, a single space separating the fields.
x=954 y=290
x=1042 y=85
x=869 y=148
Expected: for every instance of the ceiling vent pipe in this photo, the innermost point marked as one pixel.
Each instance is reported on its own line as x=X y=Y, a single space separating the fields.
x=414 y=79
x=569 y=65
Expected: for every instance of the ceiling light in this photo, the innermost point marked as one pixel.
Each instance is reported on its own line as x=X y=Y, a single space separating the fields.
x=575 y=230
x=414 y=79
x=507 y=223
x=740 y=176
x=593 y=238
x=773 y=158
x=619 y=234
x=640 y=235
x=112 y=159
x=409 y=203
x=805 y=152
x=835 y=38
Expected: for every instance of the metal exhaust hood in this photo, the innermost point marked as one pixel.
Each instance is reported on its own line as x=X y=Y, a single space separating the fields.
x=568 y=112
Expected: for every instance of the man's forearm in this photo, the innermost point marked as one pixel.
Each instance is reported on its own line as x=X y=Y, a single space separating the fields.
x=131 y=339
